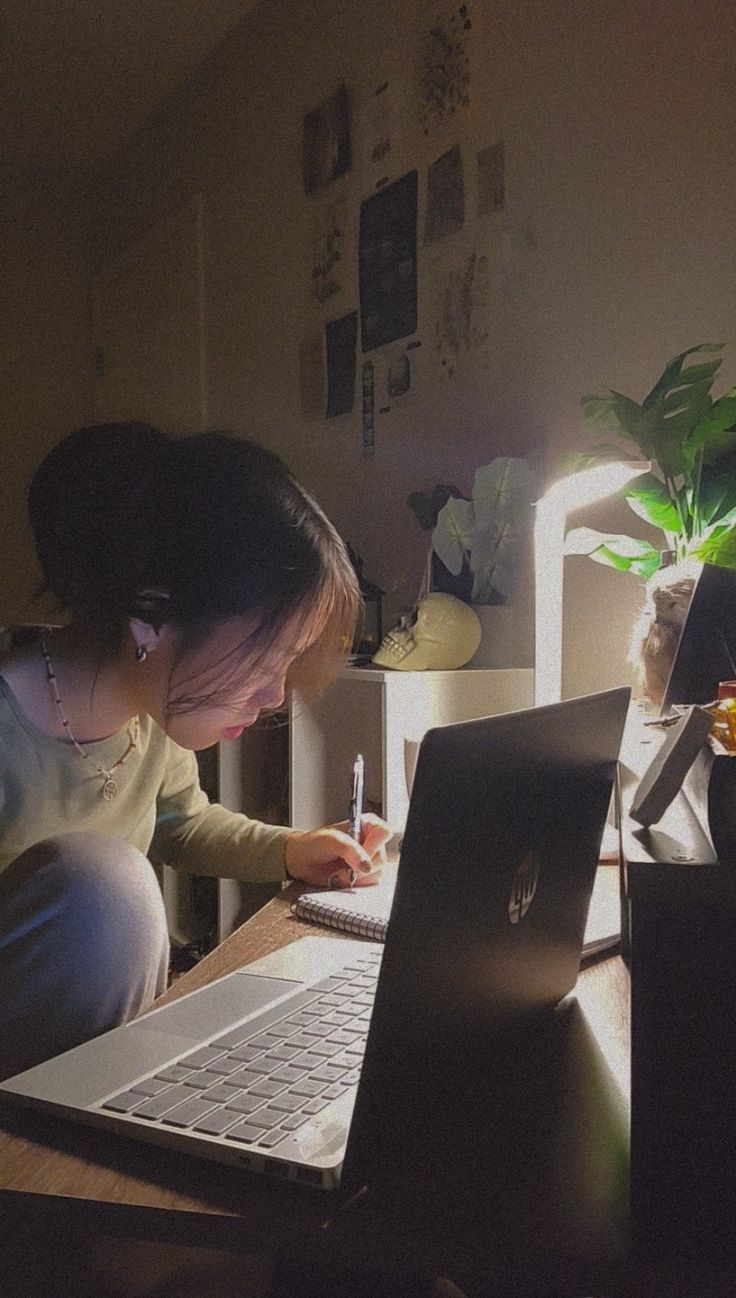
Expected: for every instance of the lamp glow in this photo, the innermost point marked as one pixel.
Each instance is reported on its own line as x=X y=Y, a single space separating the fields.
x=564 y=496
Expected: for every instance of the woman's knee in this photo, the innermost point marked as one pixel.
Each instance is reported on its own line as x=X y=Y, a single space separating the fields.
x=89 y=907
x=83 y=873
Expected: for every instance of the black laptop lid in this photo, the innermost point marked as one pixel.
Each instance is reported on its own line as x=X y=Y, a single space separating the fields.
x=706 y=651
x=496 y=872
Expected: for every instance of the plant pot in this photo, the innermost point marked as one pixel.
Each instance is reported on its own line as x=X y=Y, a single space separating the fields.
x=497 y=641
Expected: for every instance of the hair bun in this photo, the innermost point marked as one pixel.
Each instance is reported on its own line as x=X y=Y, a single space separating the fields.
x=91 y=507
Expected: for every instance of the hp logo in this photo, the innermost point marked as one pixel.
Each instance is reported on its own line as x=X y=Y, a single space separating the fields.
x=523 y=888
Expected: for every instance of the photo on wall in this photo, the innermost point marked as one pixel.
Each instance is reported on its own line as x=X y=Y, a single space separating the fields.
x=327 y=151
x=443 y=68
x=387 y=262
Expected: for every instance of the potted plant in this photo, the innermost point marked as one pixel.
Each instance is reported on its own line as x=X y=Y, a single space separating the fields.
x=690 y=494
x=477 y=541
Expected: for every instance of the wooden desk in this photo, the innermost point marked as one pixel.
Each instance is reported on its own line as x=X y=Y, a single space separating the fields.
x=71 y=1174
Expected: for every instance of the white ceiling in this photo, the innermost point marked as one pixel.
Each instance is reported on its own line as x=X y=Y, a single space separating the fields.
x=77 y=77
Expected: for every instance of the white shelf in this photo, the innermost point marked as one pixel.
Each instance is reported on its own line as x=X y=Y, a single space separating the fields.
x=384 y=714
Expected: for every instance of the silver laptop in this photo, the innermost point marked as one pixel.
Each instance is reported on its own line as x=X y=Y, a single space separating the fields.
x=300 y=1065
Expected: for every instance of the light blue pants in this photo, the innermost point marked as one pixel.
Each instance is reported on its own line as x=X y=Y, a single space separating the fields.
x=83 y=945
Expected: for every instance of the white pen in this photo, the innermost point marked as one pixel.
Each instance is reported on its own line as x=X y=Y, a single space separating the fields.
x=355 y=813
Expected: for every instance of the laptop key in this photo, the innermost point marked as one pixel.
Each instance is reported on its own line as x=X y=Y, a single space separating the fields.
x=244 y=1132
x=124 y=1102
x=264 y=1065
x=326 y=1049
x=223 y=1094
x=287 y=1103
x=267 y=1087
x=293 y=1121
x=173 y=1073
x=335 y=1091
x=245 y=1103
x=307 y=1087
x=186 y=1114
x=270 y=1138
x=315 y=1106
x=267 y=1117
x=201 y=1058
x=326 y=1074
x=245 y=1053
x=149 y=1086
x=344 y=1037
x=285 y=1052
x=158 y=1105
x=307 y=1060
x=225 y=1066
x=201 y=1079
x=287 y=1074
x=266 y=1040
x=217 y=1122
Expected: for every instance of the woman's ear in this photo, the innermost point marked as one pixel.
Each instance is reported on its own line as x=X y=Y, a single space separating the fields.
x=145 y=638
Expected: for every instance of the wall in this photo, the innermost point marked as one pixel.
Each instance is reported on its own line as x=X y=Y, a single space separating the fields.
x=614 y=251
x=45 y=376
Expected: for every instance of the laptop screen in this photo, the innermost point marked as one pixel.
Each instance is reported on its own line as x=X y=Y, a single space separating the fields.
x=706 y=650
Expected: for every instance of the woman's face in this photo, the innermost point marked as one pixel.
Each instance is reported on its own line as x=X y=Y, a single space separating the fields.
x=221 y=685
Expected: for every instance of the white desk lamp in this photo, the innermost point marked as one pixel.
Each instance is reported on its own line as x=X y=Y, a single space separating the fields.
x=573 y=492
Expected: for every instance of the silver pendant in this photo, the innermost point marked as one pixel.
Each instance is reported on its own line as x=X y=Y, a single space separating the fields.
x=109 y=789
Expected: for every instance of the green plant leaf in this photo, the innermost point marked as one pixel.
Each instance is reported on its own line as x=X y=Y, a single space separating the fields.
x=674 y=376
x=715 y=433
x=452 y=536
x=625 y=553
x=638 y=424
x=719 y=549
x=716 y=493
x=648 y=497
x=599 y=415
x=494 y=561
x=501 y=489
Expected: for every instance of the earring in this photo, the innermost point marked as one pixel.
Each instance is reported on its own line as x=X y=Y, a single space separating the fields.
x=141 y=653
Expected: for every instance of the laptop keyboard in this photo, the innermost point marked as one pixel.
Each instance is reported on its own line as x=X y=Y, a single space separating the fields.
x=257 y=1086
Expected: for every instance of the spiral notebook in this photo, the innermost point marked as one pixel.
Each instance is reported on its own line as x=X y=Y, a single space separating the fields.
x=365 y=912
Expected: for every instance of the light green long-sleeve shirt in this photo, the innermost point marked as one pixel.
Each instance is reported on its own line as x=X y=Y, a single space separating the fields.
x=47 y=788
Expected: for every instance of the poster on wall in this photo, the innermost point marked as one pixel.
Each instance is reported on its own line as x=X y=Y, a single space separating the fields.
x=329 y=240
x=491 y=179
x=387 y=263
x=445 y=196
x=443 y=68
x=341 y=337
x=383 y=147
x=327 y=151
x=460 y=314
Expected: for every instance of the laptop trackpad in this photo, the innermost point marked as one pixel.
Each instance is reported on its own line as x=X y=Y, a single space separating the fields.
x=120 y=1057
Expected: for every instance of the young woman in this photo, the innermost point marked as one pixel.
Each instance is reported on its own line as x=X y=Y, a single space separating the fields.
x=199 y=583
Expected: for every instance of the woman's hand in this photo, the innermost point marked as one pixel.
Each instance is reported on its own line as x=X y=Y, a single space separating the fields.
x=330 y=858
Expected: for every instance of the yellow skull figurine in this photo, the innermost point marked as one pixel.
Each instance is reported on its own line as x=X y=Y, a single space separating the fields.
x=442 y=634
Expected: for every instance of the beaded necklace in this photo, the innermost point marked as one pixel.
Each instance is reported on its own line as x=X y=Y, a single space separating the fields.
x=109 y=786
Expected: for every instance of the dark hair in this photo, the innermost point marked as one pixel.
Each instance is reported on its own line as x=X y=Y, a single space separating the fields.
x=131 y=523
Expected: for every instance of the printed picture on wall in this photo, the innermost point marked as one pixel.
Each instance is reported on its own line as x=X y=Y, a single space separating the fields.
x=445 y=196
x=329 y=234
x=341 y=337
x=387 y=261
x=327 y=152
x=377 y=128
x=491 y=179
x=461 y=312
x=443 y=63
